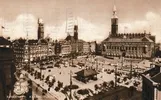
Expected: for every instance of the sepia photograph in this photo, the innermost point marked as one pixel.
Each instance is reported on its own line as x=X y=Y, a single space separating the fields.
x=80 y=49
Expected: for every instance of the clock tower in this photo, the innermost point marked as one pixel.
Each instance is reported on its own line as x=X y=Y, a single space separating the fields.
x=76 y=32
x=114 y=23
x=40 y=29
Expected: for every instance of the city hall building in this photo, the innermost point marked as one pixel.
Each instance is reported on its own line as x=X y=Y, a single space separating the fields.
x=133 y=45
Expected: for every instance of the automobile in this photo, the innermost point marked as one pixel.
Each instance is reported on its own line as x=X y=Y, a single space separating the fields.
x=57 y=65
x=51 y=62
x=74 y=66
x=49 y=66
x=47 y=63
x=80 y=64
x=108 y=72
x=41 y=64
x=42 y=68
x=127 y=83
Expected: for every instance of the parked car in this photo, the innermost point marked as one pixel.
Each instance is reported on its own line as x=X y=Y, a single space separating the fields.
x=47 y=63
x=74 y=66
x=81 y=64
x=57 y=65
x=51 y=62
x=49 y=66
x=42 y=68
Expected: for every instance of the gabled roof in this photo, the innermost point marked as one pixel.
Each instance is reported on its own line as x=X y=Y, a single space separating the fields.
x=69 y=38
x=4 y=41
x=157 y=78
x=115 y=39
x=146 y=39
x=86 y=72
x=19 y=41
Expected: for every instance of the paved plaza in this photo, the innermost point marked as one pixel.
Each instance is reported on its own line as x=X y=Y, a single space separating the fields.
x=63 y=75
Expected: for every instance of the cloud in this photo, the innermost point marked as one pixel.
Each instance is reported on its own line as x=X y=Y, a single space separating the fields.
x=151 y=23
x=87 y=31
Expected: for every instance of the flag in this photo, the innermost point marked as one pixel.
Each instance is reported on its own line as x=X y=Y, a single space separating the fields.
x=3 y=27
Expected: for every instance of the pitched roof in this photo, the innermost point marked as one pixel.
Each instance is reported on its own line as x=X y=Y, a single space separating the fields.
x=86 y=72
x=69 y=38
x=157 y=78
x=21 y=41
x=4 y=41
x=144 y=39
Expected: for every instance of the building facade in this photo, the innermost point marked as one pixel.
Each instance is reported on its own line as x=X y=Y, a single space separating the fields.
x=151 y=79
x=134 y=45
x=93 y=45
x=86 y=47
x=29 y=50
x=7 y=69
x=57 y=47
x=19 y=50
x=66 y=48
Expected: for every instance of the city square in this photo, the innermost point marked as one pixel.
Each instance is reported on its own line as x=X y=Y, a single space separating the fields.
x=80 y=50
x=62 y=74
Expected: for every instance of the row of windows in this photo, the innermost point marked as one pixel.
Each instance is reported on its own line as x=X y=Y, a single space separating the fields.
x=127 y=43
x=125 y=48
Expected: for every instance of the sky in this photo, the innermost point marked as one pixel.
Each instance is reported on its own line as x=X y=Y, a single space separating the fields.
x=19 y=17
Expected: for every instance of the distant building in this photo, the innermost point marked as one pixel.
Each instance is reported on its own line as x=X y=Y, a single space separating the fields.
x=93 y=45
x=18 y=48
x=99 y=49
x=40 y=29
x=66 y=48
x=29 y=49
x=7 y=69
x=86 y=48
x=135 y=45
x=57 y=47
x=76 y=43
x=151 y=88
x=157 y=52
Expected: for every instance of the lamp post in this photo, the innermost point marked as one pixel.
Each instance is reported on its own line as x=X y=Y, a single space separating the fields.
x=123 y=53
x=70 y=96
x=40 y=62
x=115 y=76
x=131 y=67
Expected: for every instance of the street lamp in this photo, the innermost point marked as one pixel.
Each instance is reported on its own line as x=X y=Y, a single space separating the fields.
x=70 y=96
x=123 y=53
x=40 y=62
x=115 y=75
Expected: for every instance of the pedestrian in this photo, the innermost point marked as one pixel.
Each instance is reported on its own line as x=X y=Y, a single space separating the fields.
x=49 y=89
x=35 y=98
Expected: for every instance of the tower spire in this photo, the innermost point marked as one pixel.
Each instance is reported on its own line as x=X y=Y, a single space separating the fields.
x=114 y=12
x=114 y=22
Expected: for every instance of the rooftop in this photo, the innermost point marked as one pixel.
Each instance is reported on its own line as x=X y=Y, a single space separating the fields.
x=4 y=41
x=86 y=72
x=144 y=39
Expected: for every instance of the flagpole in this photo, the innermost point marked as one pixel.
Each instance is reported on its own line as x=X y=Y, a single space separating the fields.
x=70 y=96
x=2 y=29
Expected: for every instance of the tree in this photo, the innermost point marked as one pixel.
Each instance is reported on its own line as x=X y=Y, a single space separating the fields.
x=104 y=84
x=96 y=87
x=111 y=83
